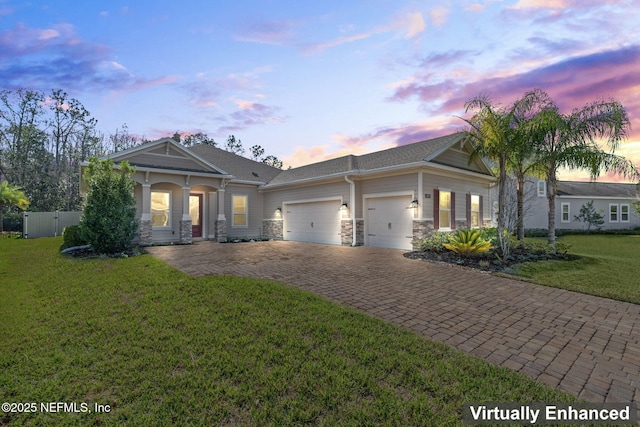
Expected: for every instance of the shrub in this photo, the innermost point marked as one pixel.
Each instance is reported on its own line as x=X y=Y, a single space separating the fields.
x=72 y=236
x=109 y=219
x=434 y=243
x=468 y=243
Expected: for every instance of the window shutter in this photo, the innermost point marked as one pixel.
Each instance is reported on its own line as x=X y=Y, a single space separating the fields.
x=453 y=210
x=468 y=196
x=480 y=221
x=436 y=209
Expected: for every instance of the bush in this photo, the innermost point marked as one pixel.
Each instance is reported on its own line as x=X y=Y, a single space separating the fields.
x=434 y=243
x=109 y=222
x=468 y=243
x=72 y=236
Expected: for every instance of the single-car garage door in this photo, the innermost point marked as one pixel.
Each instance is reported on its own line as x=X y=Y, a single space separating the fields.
x=389 y=222
x=315 y=222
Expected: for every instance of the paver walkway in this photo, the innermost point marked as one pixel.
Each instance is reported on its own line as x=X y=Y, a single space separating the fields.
x=585 y=345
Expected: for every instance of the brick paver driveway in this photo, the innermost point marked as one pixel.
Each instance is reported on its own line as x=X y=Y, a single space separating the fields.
x=585 y=345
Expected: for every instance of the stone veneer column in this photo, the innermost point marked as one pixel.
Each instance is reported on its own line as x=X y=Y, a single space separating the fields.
x=221 y=222
x=145 y=228
x=272 y=229
x=422 y=229
x=186 y=231
x=359 y=232
x=346 y=232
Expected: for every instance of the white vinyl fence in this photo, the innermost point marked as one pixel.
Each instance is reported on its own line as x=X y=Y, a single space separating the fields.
x=48 y=224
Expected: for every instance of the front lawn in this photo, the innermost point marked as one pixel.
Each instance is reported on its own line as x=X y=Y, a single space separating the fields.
x=608 y=266
x=161 y=348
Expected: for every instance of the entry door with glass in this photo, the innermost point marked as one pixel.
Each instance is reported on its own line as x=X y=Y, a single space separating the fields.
x=195 y=210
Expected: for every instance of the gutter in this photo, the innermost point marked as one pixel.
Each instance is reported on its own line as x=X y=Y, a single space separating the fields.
x=352 y=211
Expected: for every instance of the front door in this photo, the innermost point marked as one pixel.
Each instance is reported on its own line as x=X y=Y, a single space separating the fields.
x=195 y=210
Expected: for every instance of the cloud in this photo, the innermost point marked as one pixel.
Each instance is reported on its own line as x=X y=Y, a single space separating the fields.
x=439 y=15
x=410 y=25
x=249 y=114
x=55 y=57
x=205 y=91
x=540 y=4
x=572 y=82
x=268 y=32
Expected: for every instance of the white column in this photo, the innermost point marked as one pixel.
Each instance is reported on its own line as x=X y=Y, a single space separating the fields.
x=146 y=202
x=221 y=215
x=186 y=216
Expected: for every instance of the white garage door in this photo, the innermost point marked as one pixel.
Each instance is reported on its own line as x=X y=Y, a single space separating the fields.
x=315 y=222
x=389 y=222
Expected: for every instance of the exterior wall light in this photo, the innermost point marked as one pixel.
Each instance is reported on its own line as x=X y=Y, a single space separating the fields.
x=343 y=206
x=279 y=209
x=414 y=203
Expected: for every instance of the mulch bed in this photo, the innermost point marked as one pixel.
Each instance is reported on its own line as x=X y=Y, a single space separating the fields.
x=82 y=252
x=489 y=262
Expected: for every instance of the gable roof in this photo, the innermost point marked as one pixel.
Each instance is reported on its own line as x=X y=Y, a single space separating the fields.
x=241 y=168
x=404 y=156
x=166 y=154
x=596 y=189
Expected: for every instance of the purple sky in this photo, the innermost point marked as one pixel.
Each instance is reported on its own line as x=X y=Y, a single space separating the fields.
x=314 y=80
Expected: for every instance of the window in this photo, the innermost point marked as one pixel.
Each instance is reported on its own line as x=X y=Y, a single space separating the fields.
x=624 y=213
x=475 y=211
x=445 y=209
x=161 y=209
x=239 y=206
x=566 y=212
x=613 y=213
x=542 y=189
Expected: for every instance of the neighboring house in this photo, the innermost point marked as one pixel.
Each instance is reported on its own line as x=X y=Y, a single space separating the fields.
x=613 y=200
x=391 y=196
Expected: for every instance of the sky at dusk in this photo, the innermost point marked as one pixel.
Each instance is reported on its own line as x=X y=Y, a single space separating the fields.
x=310 y=81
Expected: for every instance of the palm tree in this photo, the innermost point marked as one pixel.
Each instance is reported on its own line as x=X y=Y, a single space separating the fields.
x=494 y=136
x=522 y=162
x=571 y=141
x=11 y=196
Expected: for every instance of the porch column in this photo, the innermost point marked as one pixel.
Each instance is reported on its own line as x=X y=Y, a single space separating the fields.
x=221 y=222
x=212 y=210
x=185 y=222
x=145 y=227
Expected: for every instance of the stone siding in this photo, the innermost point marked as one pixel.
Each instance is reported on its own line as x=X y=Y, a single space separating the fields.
x=221 y=230
x=145 y=231
x=272 y=229
x=346 y=232
x=186 y=231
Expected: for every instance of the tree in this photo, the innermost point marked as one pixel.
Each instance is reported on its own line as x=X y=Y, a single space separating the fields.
x=256 y=153
x=273 y=161
x=571 y=141
x=234 y=146
x=73 y=140
x=521 y=161
x=590 y=216
x=122 y=139
x=109 y=222
x=493 y=136
x=11 y=196
x=198 y=138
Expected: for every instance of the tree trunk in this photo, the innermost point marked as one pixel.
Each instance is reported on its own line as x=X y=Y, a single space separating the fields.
x=520 y=196
x=551 y=199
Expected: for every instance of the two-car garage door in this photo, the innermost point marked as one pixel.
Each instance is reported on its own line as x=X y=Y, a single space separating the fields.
x=389 y=222
x=315 y=222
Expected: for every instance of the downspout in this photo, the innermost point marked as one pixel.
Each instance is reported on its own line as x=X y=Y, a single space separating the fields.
x=352 y=211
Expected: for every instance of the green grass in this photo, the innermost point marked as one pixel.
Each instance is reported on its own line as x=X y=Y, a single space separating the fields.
x=162 y=348
x=607 y=266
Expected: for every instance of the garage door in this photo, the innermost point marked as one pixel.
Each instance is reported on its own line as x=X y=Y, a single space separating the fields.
x=315 y=222
x=389 y=222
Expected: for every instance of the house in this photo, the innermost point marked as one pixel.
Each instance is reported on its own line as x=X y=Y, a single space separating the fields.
x=613 y=200
x=387 y=198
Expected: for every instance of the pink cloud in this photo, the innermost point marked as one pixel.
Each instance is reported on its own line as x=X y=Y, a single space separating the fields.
x=56 y=57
